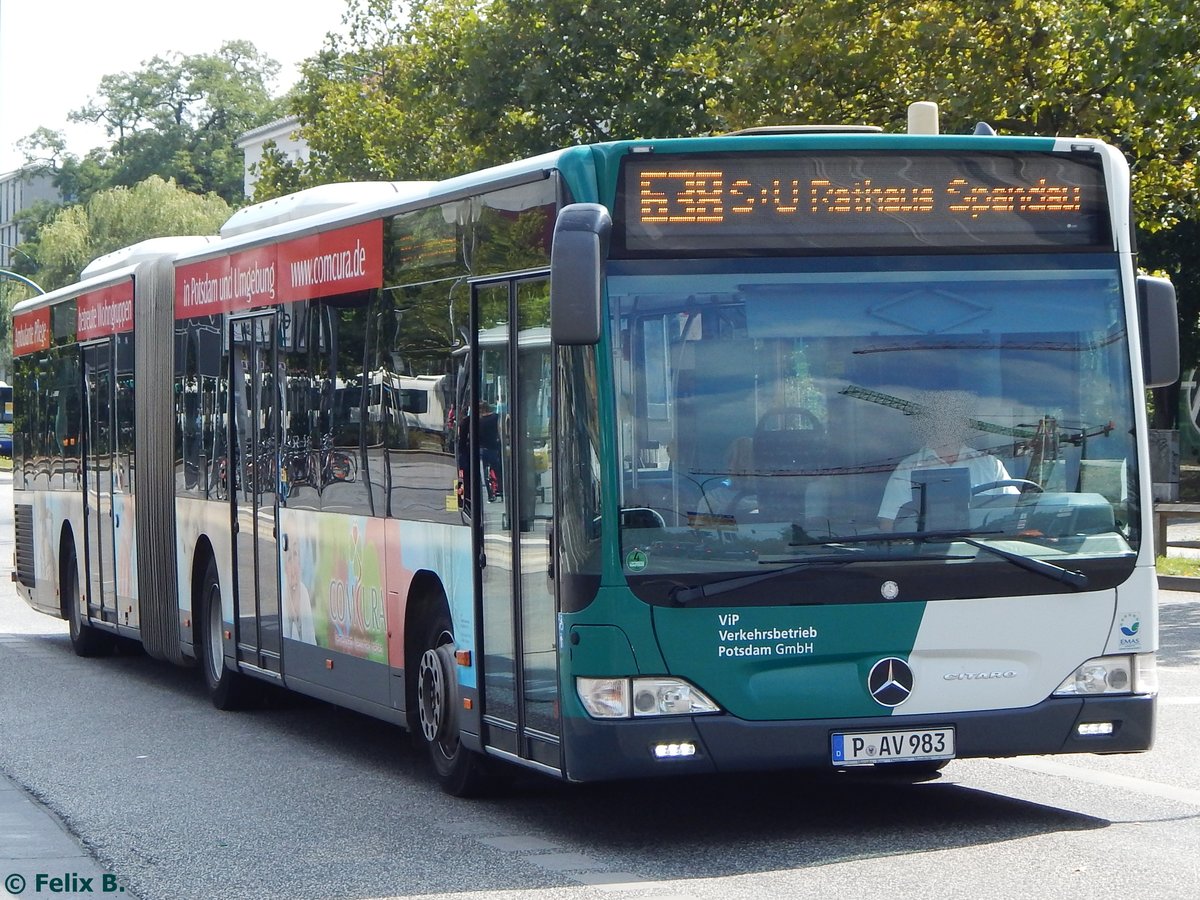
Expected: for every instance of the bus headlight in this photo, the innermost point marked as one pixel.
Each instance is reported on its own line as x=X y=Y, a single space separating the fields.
x=620 y=698
x=1102 y=675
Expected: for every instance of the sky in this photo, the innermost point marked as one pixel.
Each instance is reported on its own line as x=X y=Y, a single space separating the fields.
x=53 y=53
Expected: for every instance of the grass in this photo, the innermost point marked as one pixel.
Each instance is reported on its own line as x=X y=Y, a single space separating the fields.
x=1178 y=565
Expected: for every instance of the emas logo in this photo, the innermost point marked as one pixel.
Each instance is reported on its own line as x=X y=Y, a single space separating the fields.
x=1130 y=624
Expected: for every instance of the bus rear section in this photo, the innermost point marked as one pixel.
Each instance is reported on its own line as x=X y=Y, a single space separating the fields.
x=880 y=448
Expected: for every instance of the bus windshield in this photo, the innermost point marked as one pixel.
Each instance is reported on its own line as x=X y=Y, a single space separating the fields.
x=912 y=414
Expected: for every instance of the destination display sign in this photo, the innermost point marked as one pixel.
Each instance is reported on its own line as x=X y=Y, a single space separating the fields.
x=733 y=204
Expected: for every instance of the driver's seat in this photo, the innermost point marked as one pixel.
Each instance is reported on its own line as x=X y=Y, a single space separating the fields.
x=790 y=448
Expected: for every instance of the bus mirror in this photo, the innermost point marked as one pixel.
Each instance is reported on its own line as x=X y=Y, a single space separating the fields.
x=1160 y=331
x=577 y=273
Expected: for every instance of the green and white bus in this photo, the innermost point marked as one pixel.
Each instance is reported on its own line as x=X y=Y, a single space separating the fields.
x=668 y=498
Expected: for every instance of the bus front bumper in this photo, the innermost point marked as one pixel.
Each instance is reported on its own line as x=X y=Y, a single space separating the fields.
x=641 y=748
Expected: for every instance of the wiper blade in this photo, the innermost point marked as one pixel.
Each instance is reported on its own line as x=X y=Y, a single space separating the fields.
x=684 y=596
x=1041 y=567
x=1050 y=570
x=886 y=537
x=1075 y=579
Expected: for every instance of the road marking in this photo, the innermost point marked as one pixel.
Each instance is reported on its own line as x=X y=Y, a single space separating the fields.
x=1108 y=779
x=1179 y=701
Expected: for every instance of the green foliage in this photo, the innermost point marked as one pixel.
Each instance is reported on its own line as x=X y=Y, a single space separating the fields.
x=120 y=216
x=1123 y=70
x=177 y=117
x=461 y=84
x=1179 y=566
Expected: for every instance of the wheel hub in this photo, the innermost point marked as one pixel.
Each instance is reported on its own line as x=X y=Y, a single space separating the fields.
x=216 y=636
x=431 y=691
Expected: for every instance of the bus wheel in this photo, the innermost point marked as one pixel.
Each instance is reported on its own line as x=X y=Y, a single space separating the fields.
x=226 y=688
x=86 y=640
x=461 y=772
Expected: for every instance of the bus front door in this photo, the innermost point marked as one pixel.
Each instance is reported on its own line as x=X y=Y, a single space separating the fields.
x=254 y=438
x=98 y=480
x=511 y=508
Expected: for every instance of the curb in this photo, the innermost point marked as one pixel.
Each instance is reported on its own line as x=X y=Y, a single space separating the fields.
x=1178 y=583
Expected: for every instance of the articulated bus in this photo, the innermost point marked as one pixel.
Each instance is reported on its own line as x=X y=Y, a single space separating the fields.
x=788 y=449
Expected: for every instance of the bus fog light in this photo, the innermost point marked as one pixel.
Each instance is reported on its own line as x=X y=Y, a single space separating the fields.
x=1093 y=729
x=604 y=698
x=680 y=750
x=1102 y=675
x=669 y=697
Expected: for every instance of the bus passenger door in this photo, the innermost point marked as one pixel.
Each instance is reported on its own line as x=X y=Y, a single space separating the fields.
x=98 y=479
x=511 y=507
x=254 y=440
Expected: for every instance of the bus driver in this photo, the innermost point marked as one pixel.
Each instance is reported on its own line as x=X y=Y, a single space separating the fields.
x=942 y=424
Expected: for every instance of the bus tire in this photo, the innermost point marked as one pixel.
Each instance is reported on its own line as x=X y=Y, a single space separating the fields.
x=461 y=772
x=227 y=688
x=86 y=640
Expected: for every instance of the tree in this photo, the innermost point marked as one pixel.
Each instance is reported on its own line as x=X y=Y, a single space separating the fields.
x=1127 y=71
x=460 y=84
x=177 y=117
x=373 y=104
x=117 y=217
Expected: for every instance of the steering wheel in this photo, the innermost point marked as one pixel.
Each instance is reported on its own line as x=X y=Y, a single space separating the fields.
x=807 y=417
x=1022 y=483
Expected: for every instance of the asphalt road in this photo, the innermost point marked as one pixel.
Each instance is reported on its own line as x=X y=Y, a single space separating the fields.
x=304 y=800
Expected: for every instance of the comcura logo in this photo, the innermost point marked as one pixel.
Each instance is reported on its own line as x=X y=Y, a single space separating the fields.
x=978 y=676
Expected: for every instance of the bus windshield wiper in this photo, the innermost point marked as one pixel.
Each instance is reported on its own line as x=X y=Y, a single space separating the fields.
x=887 y=537
x=684 y=596
x=1050 y=570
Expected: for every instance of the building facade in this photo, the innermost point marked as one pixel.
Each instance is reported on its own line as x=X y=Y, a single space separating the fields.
x=286 y=135
x=19 y=190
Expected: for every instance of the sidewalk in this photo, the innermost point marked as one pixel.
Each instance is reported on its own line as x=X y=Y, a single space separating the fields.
x=33 y=842
x=35 y=849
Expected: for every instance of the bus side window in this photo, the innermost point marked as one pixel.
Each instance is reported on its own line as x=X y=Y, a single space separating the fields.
x=299 y=396
x=343 y=486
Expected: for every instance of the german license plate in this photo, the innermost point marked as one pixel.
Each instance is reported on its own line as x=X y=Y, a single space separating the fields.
x=863 y=748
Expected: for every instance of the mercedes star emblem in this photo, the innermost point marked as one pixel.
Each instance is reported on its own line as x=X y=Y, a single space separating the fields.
x=890 y=681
